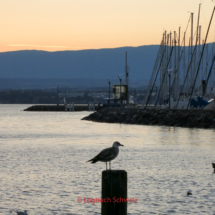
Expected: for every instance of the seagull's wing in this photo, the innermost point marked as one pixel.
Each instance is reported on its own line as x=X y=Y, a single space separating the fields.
x=106 y=154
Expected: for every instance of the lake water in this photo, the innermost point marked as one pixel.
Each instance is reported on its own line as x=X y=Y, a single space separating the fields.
x=43 y=165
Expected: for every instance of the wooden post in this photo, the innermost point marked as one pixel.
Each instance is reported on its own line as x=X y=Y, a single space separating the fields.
x=114 y=192
x=213 y=165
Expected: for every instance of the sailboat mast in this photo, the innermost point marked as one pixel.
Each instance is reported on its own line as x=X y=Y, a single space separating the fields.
x=126 y=76
x=191 y=49
x=178 y=66
x=197 y=38
x=184 y=57
x=175 y=67
x=170 y=44
x=199 y=91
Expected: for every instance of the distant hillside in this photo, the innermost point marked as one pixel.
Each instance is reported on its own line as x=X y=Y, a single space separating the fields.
x=94 y=64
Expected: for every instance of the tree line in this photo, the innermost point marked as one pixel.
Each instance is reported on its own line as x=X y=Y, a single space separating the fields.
x=38 y=97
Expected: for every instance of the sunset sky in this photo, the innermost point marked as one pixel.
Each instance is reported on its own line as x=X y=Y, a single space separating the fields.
x=55 y=25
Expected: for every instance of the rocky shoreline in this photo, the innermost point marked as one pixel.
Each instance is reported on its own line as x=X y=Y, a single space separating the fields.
x=180 y=118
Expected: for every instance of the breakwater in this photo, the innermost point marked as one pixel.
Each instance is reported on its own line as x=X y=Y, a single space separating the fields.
x=181 y=118
x=77 y=107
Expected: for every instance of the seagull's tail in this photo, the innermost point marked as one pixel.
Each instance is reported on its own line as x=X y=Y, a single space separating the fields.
x=93 y=160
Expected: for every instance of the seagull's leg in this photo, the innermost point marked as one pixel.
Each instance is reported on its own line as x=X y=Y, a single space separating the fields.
x=106 y=165
x=110 y=165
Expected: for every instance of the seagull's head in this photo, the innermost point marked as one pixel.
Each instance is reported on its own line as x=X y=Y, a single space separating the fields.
x=117 y=144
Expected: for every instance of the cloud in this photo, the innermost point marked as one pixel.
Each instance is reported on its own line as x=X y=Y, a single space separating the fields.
x=39 y=46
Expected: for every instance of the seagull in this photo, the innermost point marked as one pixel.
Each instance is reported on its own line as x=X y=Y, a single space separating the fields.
x=107 y=155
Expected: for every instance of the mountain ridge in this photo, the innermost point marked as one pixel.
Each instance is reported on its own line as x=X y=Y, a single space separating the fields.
x=92 y=63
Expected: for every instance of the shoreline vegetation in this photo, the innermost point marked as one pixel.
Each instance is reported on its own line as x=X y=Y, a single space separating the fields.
x=42 y=97
x=162 y=117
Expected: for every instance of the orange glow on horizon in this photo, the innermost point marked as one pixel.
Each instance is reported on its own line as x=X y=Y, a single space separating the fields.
x=53 y=25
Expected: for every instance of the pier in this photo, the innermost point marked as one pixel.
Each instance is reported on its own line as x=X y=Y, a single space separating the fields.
x=191 y=118
x=63 y=108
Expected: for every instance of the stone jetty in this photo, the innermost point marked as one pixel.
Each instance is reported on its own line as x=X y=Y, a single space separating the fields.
x=77 y=107
x=46 y=108
x=181 y=118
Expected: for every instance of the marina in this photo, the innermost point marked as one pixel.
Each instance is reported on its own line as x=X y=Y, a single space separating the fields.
x=183 y=75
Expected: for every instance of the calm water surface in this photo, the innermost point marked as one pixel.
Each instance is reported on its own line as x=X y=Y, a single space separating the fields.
x=43 y=165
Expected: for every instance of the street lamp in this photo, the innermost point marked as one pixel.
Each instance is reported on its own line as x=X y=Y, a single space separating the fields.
x=169 y=88
x=57 y=97
x=169 y=74
x=109 y=89
x=120 y=90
